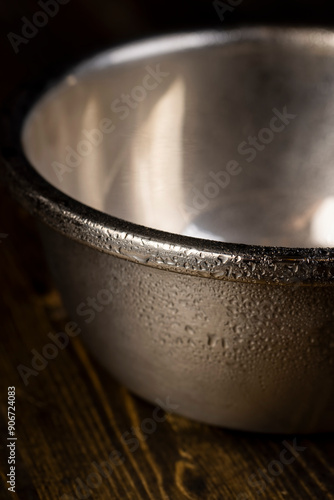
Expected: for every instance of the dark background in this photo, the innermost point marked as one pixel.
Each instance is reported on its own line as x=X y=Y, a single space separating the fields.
x=73 y=413
x=84 y=26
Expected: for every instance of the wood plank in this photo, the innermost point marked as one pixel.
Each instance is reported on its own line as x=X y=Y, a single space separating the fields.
x=73 y=414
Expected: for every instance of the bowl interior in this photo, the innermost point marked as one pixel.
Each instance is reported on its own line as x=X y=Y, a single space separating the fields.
x=223 y=136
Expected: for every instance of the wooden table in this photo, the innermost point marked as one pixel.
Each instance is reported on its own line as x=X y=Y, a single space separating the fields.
x=71 y=416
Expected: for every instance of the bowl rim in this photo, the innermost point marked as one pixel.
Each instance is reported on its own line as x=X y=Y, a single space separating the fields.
x=143 y=245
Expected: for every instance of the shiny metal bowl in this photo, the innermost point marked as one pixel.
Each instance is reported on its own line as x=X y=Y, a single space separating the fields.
x=185 y=191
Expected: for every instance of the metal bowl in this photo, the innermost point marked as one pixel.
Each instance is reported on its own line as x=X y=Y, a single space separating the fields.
x=185 y=190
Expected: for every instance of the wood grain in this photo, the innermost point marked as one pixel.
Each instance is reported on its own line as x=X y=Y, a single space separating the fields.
x=73 y=414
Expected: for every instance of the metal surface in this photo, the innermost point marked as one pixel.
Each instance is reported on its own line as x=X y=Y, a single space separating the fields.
x=239 y=334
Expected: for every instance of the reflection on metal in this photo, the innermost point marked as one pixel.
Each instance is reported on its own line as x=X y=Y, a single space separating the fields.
x=238 y=334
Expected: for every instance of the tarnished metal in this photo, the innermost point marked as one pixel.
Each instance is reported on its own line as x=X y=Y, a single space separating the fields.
x=184 y=188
